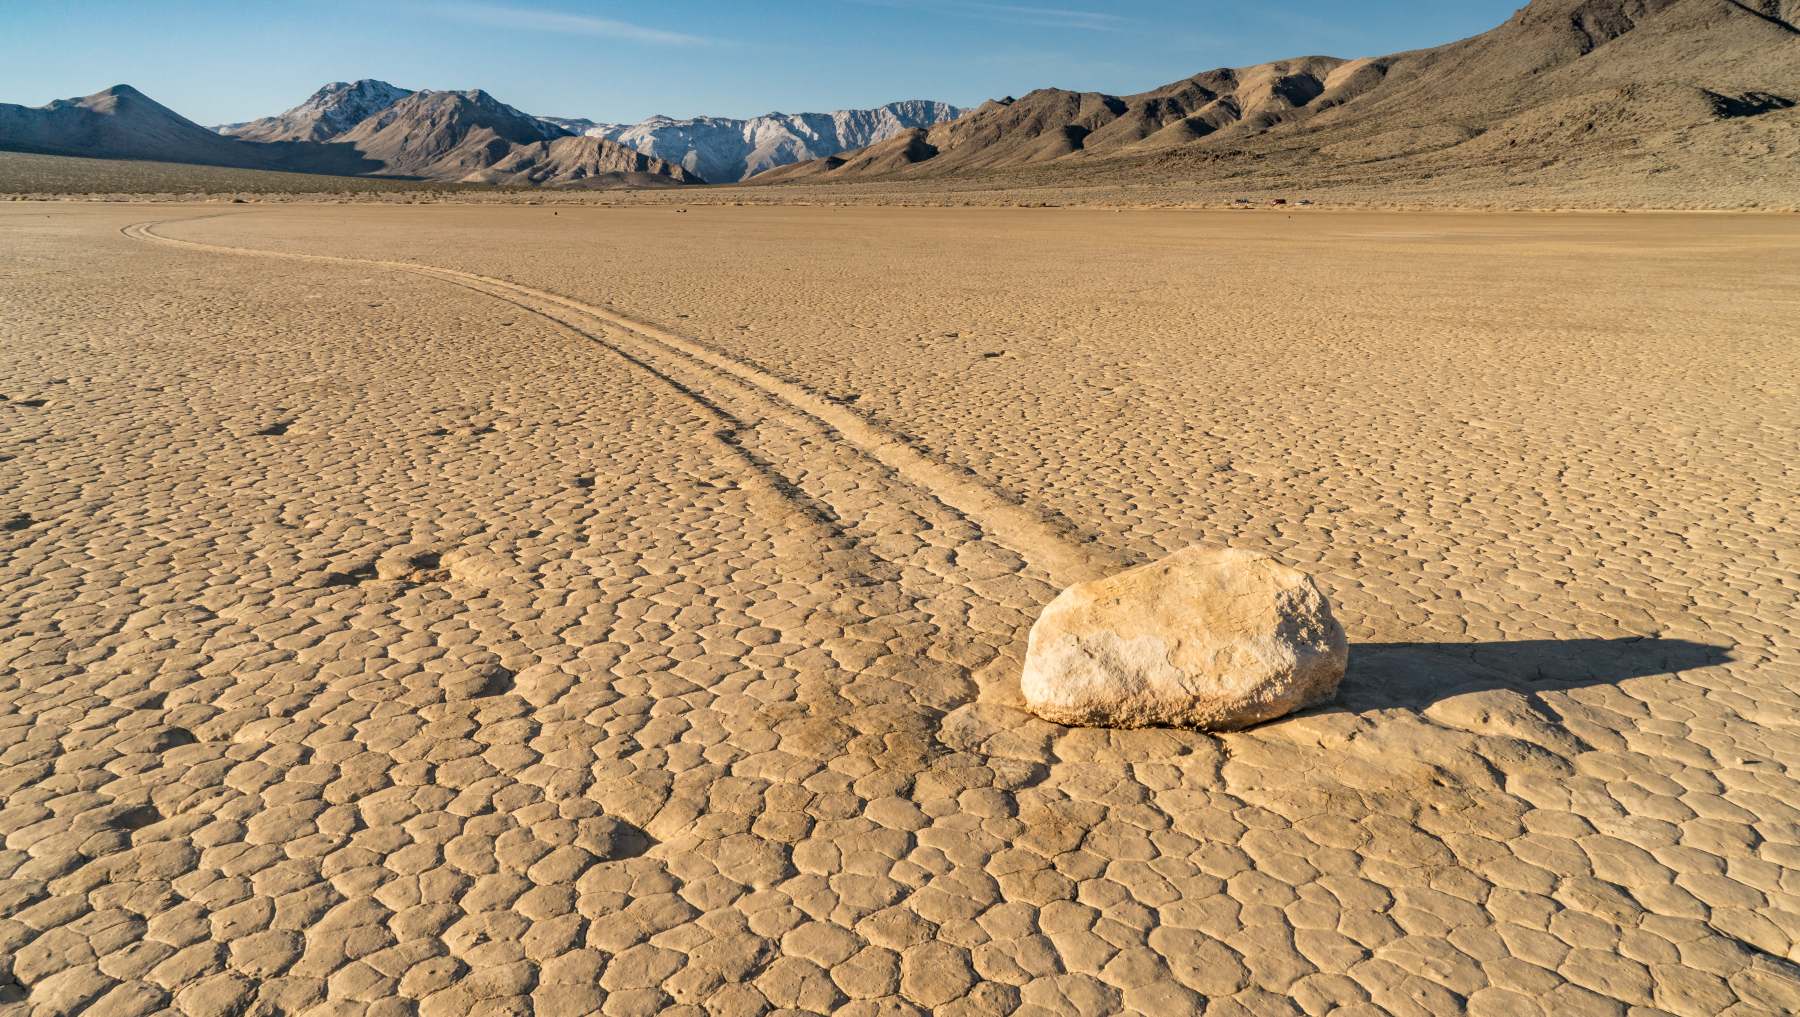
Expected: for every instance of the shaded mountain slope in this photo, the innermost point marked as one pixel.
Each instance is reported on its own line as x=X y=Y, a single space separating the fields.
x=123 y=123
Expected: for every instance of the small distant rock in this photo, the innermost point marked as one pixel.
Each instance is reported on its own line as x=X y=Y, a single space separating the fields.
x=482 y=679
x=473 y=567
x=607 y=839
x=543 y=684
x=1206 y=638
x=405 y=561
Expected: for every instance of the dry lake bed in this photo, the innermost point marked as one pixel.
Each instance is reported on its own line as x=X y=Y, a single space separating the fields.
x=468 y=610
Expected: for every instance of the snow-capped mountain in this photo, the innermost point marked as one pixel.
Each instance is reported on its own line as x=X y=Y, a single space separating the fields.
x=330 y=111
x=724 y=150
x=574 y=125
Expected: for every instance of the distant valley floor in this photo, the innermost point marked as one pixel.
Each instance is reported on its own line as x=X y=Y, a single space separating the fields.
x=1678 y=179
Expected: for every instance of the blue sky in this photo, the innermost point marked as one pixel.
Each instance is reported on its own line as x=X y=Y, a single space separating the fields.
x=227 y=60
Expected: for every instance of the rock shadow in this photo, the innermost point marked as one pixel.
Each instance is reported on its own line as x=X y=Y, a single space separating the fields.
x=625 y=840
x=1415 y=675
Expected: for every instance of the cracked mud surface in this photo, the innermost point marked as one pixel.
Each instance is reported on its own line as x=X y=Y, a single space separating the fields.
x=621 y=613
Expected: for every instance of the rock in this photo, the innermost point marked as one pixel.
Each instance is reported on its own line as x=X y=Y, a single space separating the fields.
x=405 y=561
x=1208 y=638
x=479 y=568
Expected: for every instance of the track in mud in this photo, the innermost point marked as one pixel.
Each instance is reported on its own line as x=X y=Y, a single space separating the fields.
x=699 y=371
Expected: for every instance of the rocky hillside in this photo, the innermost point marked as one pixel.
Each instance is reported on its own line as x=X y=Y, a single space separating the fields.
x=580 y=162
x=1561 y=79
x=445 y=135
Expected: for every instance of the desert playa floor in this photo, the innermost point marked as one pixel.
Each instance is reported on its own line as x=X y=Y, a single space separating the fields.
x=511 y=610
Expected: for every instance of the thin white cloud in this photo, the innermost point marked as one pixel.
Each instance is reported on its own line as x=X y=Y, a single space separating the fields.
x=1052 y=17
x=1015 y=14
x=536 y=20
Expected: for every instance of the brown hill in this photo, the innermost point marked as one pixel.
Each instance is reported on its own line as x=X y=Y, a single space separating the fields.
x=580 y=162
x=1560 y=76
x=445 y=135
x=473 y=137
x=123 y=123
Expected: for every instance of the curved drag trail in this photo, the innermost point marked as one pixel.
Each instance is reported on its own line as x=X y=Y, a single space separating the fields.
x=1050 y=545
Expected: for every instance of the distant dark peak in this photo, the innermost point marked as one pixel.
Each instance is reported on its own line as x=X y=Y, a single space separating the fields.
x=124 y=92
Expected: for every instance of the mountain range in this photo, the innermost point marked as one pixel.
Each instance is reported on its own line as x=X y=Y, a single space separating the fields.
x=724 y=150
x=1607 y=93
x=715 y=149
x=364 y=128
x=1560 y=77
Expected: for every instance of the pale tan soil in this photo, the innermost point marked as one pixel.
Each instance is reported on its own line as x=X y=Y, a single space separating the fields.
x=620 y=610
